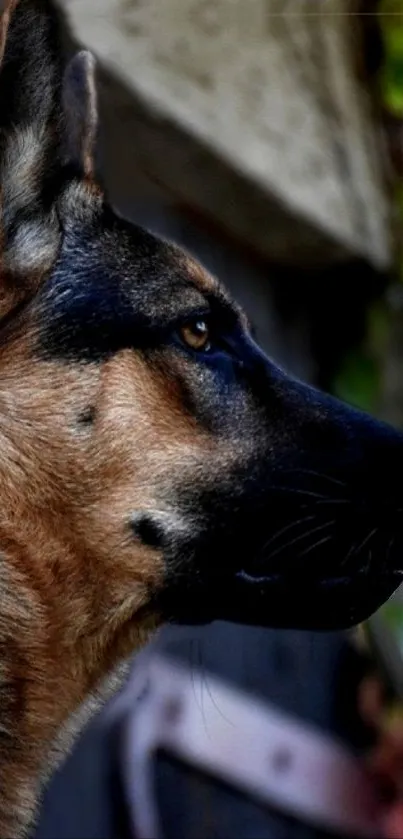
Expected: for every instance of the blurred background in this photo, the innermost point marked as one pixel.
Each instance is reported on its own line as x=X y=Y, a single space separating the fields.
x=266 y=137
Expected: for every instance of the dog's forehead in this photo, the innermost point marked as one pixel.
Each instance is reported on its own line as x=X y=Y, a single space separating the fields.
x=116 y=282
x=160 y=269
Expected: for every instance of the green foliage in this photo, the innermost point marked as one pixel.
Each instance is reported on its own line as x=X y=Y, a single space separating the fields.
x=391 y=80
x=358 y=381
x=392 y=613
x=378 y=328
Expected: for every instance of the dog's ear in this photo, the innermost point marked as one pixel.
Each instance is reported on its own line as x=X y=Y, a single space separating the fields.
x=30 y=114
x=81 y=113
x=47 y=136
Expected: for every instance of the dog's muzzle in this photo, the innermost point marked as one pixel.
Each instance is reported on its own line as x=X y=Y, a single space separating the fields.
x=311 y=535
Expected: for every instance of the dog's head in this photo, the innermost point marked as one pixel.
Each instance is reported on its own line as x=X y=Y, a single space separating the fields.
x=151 y=453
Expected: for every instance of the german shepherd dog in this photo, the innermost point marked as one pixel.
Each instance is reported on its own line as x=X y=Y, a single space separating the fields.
x=155 y=465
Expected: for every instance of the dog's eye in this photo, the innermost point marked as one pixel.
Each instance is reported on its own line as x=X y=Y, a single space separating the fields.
x=196 y=335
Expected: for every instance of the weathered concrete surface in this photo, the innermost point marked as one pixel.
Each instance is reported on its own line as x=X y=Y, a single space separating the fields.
x=253 y=114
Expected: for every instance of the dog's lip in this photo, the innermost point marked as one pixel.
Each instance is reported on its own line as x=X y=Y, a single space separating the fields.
x=282 y=600
x=323 y=582
x=329 y=603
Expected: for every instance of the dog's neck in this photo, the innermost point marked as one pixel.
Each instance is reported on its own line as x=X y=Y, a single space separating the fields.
x=50 y=683
x=60 y=639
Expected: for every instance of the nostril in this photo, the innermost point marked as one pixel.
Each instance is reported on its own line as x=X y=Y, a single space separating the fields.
x=146 y=528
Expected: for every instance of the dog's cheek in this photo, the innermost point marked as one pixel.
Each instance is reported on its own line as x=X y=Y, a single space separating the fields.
x=215 y=397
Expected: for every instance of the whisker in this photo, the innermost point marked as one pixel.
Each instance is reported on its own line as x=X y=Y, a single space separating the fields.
x=287 y=527
x=333 y=501
x=389 y=550
x=321 y=475
x=357 y=548
x=315 y=545
x=366 y=540
x=194 y=674
x=349 y=553
x=297 y=491
x=201 y=671
x=210 y=692
x=301 y=536
x=368 y=562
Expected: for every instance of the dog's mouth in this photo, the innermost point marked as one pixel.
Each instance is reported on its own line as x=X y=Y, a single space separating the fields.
x=332 y=575
x=330 y=603
x=334 y=579
x=279 y=600
x=308 y=539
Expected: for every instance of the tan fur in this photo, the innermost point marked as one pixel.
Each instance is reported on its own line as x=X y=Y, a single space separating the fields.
x=197 y=274
x=207 y=283
x=74 y=584
x=107 y=452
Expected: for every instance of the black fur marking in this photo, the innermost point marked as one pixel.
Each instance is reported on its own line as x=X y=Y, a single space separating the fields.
x=114 y=286
x=87 y=417
x=148 y=530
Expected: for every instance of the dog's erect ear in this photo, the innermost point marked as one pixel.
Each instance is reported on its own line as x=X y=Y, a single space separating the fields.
x=81 y=113
x=47 y=135
x=30 y=115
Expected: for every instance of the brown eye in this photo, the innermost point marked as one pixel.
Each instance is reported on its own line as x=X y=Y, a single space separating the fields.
x=196 y=335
